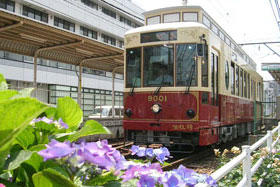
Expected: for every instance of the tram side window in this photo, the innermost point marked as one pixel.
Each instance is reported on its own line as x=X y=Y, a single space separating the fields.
x=252 y=89
x=248 y=86
x=158 y=66
x=214 y=79
x=204 y=68
x=232 y=73
x=186 y=66
x=133 y=67
x=245 y=84
x=227 y=74
x=241 y=83
x=237 y=81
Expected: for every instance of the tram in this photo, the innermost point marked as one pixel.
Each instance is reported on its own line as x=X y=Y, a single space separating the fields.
x=187 y=82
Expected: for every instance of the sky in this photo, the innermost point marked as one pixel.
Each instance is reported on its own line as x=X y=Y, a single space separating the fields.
x=244 y=20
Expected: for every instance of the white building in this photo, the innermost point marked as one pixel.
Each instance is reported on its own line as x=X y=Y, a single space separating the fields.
x=103 y=20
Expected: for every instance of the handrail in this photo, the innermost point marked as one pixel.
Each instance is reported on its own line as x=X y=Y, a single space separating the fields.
x=245 y=157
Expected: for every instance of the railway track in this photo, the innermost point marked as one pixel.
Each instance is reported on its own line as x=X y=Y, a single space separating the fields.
x=190 y=158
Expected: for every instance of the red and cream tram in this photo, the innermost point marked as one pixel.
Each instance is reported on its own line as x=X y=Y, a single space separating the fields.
x=187 y=83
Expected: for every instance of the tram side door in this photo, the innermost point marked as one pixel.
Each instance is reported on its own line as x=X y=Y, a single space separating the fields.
x=215 y=85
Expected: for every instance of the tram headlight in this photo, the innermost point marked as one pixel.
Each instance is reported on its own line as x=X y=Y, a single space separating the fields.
x=156 y=108
x=190 y=113
x=128 y=112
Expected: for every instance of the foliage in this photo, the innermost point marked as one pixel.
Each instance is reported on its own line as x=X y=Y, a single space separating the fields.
x=268 y=173
x=41 y=146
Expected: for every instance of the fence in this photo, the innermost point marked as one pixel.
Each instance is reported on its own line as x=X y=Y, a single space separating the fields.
x=245 y=158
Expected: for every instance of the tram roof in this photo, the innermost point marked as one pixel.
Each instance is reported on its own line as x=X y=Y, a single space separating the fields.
x=165 y=26
x=29 y=37
x=273 y=69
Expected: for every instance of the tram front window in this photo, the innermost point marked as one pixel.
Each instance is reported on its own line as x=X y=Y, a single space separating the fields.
x=186 y=67
x=158 y=66
x=133 y=67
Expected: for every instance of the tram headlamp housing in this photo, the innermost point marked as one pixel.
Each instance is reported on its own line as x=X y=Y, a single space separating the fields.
x=156 y=108
x=128 y=112
x=190 y=113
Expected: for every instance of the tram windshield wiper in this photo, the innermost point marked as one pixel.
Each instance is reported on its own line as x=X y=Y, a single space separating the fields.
x=132 y=88
x=158 y=89
x=190 y=79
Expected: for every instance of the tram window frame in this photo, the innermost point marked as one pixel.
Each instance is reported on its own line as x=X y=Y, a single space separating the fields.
x=237 y=80
x=245 y=84
x=206 y=21
x=204 y=68
x=170 y=35
x=167 y=69
x=193 y=17
x=241 y=83
x=171 y=19
x=137 y=79
x=232 y=70
x=249 y=81
x=182 y=82
x=154 y=19
x=226 y=74
x=214 y=79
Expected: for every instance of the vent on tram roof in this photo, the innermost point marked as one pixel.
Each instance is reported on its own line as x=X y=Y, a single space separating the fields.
x=184 y=2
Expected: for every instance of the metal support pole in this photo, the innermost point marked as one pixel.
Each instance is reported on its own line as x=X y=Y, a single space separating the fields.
x=269 y=141
x=80 y=85
x=113 y=94
x=247 y=165
x=35 y=75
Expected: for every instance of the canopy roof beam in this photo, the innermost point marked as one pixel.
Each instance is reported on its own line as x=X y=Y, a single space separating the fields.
x=2 y=29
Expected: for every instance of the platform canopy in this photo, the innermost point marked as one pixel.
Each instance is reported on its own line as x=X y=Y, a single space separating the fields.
x=29 y=37
x=273 y=69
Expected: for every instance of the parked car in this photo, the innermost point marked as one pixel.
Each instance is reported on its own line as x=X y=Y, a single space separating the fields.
x=106 y=112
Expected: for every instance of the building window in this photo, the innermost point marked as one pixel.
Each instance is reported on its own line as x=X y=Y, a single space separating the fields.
x=109 y=12
x=91 y=4
x=35 y=14
x=108 y=39
x=87 y=32
x=128 y=22
x=8 y=5
x=121 y=43
x=64 y=24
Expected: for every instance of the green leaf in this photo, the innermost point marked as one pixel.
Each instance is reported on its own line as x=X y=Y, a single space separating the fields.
x=26 y=137
x=36 y=160
x=50 y=177
x=15 y=115
x=54 y=165
x=26 y=92
x=16 y=160
x=51 y=112
x=100 y=180
x=7 y=94
x=69 y=111
x=3 y=83
x=90 y=128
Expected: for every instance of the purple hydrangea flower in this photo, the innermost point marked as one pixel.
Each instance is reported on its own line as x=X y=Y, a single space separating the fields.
x=58 y=123
x=136 y=171
x=149 y=152
x=134 y=149
x=161 y=154
x=57 y=149
x=146 y=181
